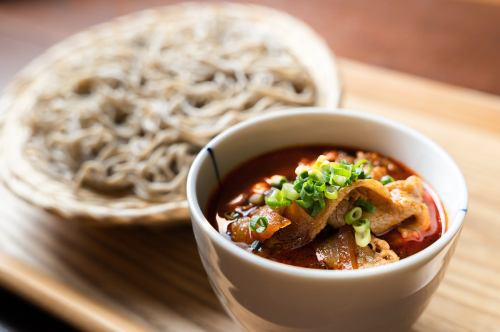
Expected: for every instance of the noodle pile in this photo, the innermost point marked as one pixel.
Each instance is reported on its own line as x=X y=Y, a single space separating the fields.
x=128 y=115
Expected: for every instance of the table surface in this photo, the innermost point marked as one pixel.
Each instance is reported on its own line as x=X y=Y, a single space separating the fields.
x=152 y=278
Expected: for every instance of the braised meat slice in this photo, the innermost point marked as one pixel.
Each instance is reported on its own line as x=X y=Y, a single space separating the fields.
x=338 y=252
x=378 y=252
x=240 y=230
x=394 y=202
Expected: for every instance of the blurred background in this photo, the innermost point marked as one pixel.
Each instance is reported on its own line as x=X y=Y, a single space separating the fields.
x=452 y=41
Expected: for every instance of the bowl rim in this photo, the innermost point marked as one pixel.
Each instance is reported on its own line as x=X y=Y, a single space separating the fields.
x=417 y=259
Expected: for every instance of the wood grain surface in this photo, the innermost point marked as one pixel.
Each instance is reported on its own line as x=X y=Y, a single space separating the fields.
x=152 y=279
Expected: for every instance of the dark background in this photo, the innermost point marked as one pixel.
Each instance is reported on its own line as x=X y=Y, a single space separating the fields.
x=452 y=41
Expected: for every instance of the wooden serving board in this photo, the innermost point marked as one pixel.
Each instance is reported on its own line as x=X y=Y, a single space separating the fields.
x=133 y=279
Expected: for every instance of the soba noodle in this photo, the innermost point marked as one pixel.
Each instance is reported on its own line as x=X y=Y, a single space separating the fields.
x=129 y=114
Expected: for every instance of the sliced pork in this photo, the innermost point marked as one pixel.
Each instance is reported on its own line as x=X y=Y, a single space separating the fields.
x=240 y=230
x=394 y=203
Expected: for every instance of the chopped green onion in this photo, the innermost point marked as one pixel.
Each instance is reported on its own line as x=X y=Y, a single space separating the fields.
x=277 y=199
x=365 y=205
x=367 y=171
x=362 y=239
x=325 y=168
x=360 y=163
x=321 y=201
x=345 y=172
x=316 y=209
x=331 y=192
x=321 y=161
x=316 y=175
x=386 y=179
x=361 y=225
x=315 y=183
x=277 y=181
x=290 y=192
x=320 y=187
x=362 y=233
x=339 y=180
x=358 y=172
x=353 y=215
x=258 y=224
x=301 y=170
x=305 y=204
x=256 y=199
x=255 y=245
x=307 y=189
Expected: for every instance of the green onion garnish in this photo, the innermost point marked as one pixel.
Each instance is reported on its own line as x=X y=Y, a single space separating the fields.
x=301 y=170
x=361 y=225
x=361 y=162
x=258 y=224
x=277 y=199
x=353 y=215
x=365 y=205
x=321 y=161
x=344 y=170
x=277 y=181
x=362 y=233
x=290 y=192
x=339 y=180
x=331 y=192
x=255 y=245
x=305 y=204
x=386 y=179
x=362 y=239
x=316 y=209
x=314 y=184
x=316 y=175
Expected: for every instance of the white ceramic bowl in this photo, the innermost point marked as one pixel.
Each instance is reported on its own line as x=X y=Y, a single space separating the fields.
x=263 y=295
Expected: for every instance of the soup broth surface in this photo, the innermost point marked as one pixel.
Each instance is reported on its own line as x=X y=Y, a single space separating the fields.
x=238 y=186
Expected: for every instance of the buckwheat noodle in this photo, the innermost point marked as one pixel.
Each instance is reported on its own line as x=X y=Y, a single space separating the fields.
x=128 y=115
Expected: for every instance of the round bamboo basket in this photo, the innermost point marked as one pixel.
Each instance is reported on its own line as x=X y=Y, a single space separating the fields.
x=42 y=190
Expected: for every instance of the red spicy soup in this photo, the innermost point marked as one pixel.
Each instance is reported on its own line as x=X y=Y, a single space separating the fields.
x=277 y=220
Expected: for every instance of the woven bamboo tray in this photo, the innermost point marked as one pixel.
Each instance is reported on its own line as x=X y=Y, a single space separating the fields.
x=41 y=190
